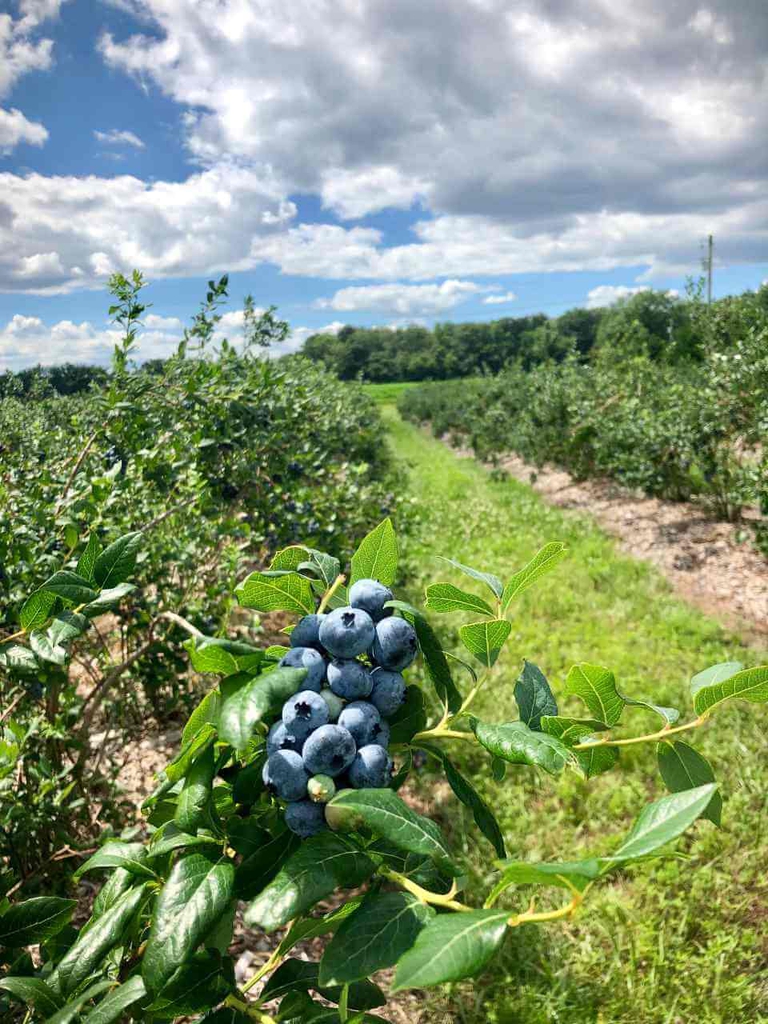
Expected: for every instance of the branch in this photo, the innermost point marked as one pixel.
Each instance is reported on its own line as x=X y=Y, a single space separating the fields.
x=75 y=469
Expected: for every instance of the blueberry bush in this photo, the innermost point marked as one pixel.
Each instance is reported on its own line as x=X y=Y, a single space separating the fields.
x=286 y=792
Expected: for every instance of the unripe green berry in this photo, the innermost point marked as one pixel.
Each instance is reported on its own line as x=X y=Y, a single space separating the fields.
x=321 y=788
x=335 y=704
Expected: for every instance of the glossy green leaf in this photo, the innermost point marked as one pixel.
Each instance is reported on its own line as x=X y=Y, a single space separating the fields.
x=72 y=1009
x=444 y=597
x=118 y=882
x=18 y=658
x=34 y=992
x=67 y=626
x=113 y=1006
x=468 y=795
x=410 y=717
x=44 y=649
x=87 y=560
x=71 y=587
x=716 y=685
x=668 y=715
x=170 y=837
x=205 y=980
x=374 y=937
x=533 y=696
x=196 y=894
x=563 y=874
x=319 y=866
x=221 y=656
x=206 y=713
x=436 y=664
x=258 y=699
x=108 y=599
x=196 y=793
x=131 y=856
x=35 y=920
x=325 y=566
x=376 y=557
x=388 y=816
x=579 y=730
x=683 y=768
x=596 y=686
x=517 y=744
x=36 y=609
x=258 y=868
x=451 y=947
x=485 y=639
x=290 y=593
x=661 y=822
x=300 y=975
x=289 y=559
x=493 y=583
x=543 y=561
x=117 y=561
x=312 y=927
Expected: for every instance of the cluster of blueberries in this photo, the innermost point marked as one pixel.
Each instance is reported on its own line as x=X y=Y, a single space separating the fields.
x=333 y=734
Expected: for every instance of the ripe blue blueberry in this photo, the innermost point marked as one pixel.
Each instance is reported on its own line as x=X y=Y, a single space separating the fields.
x=330 y=750
x=312 y=661
x=388 y=691
x=280 y=739
x=349 y=679
x=381 y=734
x=284 y=774
x=360 y=718
x=305 y=818
x=304 y=712
x=371 y=768
x=307 y=632
x=395 y=645
x=370 y=595
x=347 y=632
x=335 y=704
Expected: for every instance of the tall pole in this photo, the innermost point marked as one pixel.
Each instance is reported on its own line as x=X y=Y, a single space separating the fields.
x=710 y=250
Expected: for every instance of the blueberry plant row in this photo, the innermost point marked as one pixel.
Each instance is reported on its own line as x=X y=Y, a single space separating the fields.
x=286 y=791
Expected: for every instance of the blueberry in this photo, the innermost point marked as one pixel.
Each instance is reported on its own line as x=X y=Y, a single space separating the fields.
x=388 y=691
x=381 y=734
x=284 y=774
x=305 y=818
x=280 y=739
x=360 y=718
x=370 y=595
x=330 y=750
x=335 y=704
x=371 y=768
x=306 y=632
x=303 y=713
x=321 y=788
x=395 y=645
x=349 y=679
x=312 y=661
x=347 y=632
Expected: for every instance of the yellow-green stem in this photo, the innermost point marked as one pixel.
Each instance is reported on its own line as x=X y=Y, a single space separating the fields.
x=437 y=899
x=661 y=734
x=330 y=592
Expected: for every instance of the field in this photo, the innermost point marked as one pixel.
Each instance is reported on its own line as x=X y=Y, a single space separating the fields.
x=384 y=394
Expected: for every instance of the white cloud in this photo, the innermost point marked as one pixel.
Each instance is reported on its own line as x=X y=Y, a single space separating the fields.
x=33 y=12
x=607 y=294
x=299 y=335
x=15 y=128
x=405 y=299
x=162 y=323
x=116 y=137
x=356 y=193
x=493 y=300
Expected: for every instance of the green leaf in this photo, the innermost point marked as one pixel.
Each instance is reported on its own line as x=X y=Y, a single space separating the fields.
x=36 y=609
x=436 y=665
x=195 y=896
x=684 y=768
x=221 y=656
x=18 y=658
x=87 y=954
x=87 y=560
x=113 y=1006
x=34 y=992
x=465 y=791
x=669 y=715
x=661 y=822
x=290 y=593
x=579 y=730
x=41 y=644
x=206 y=713
x=712 y=687
x=485 y=639
x=131 y=856
x=518 y=744
x=258 y=868
x=388 y=816
x=493 y=583
x=117 y=883
x=258 y=699
x=169 y=837
x=410 y=717
x=300 y=975
x=67 y=626
x=289 y=559
x=71 y=587
x=312 y=927
x=376 y=558
x=319 y=866
x=108 y=599
x=564 y=874
x=196 y=793
x=180 y=765
x=194 y=986
x=543 y=562
x=72 y=1009
x=34 y=921
x=444 y=597
x=533 y=696
x=117 y=561
x=596 y=686
x=451 y=947
x=323 y=565
x=374 y=937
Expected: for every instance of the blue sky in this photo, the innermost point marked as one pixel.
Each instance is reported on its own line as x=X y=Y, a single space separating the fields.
x=380 y=163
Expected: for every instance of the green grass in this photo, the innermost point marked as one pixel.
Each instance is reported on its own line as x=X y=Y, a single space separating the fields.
x=672 y=941
x=384 y=394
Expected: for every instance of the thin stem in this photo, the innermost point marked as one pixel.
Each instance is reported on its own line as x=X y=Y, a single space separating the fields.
x=250 y=1011
x=330 y=592
x=13 y=636
x=343 y=1001
x=530 y=916
x=439 y=733
x=650 y=737
x=273 y=961
x=437 y=899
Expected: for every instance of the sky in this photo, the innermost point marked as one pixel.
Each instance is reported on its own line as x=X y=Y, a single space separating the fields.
x=370 y=161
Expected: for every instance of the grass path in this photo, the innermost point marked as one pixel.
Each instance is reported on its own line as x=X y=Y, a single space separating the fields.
x=665 y=943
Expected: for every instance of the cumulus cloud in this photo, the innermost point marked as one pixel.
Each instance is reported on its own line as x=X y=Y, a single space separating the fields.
x=116 y=137
x=404 y=299
x=607 y=294
x=494 y=300
x=20 y=55
x=15 y=128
